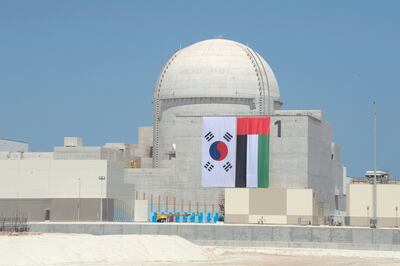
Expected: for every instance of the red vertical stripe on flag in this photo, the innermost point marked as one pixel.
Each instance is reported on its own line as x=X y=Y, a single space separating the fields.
x=253 y=125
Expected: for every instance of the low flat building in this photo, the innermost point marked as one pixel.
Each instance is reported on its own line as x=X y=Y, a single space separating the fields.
x=360 y=204
x=8 y=145
x=53 y=186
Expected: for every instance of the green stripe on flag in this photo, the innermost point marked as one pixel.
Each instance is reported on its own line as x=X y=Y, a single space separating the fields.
x=263 y=161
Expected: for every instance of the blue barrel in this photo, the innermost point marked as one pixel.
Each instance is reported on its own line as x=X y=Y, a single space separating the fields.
x=178 y=218
x=185 y=218
x=208 y=219
x=154 y=217
x=200 y=218
x=216 y=216
x=193 y=217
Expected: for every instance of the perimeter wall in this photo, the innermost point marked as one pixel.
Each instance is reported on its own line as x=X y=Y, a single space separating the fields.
x=245 y=235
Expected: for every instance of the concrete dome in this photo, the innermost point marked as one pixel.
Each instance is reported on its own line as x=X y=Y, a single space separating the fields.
x=210 y=78
x=217 y=69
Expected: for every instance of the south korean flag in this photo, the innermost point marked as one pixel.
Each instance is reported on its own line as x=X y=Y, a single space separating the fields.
x=218 y=152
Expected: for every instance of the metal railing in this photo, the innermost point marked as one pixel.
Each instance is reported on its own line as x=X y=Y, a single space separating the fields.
x=14 y=224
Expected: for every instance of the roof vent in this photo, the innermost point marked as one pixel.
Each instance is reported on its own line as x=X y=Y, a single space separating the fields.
x=73 y=142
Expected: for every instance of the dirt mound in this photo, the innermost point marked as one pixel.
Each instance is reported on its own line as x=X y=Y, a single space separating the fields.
x=81 y=249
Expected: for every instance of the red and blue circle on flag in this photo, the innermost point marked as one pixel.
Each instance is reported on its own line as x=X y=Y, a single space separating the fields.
x=218 y=150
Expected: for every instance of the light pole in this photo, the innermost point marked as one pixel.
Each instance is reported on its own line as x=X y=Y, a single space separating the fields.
x=368 y=214
x=79 y=198
x=101 y=178
x=374 y=219
x=397 y=217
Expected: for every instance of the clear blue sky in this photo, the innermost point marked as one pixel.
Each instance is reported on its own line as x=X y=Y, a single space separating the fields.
x=87 y=68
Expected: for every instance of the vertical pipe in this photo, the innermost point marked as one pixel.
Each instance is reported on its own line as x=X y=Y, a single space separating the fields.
x=151 y=202
x=159 y=202
x=182 y=206
x=101 y=202
x=174 y=204
x=144 y=195
x=79 y=198
x=166 y=204
x=190 y=206
x=106 y=209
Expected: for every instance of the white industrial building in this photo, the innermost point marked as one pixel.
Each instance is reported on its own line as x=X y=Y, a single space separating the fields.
x=215 y=77
x=8 y=145
x=71 y=183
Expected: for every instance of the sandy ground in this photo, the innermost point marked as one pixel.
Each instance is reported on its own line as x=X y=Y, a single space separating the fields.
x=292 y=256
x=128 y=250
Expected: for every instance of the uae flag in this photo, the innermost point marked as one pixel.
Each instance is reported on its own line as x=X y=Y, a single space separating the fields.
x=252 y=152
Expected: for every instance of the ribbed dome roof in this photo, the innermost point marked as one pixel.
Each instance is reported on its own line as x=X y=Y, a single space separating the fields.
x=217 y=68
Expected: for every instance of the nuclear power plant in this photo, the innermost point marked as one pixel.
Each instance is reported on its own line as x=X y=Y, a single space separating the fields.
x=162 y=172
x=219 y=78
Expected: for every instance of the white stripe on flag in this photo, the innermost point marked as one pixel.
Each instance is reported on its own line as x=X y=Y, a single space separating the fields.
x=252 y=161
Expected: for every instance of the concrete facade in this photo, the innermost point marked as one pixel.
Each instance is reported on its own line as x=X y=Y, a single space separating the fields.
x=302 y=156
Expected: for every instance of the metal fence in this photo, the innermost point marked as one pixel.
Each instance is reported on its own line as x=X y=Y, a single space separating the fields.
x=14 y=224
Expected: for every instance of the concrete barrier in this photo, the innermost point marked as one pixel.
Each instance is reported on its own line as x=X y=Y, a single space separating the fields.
x=244 y=235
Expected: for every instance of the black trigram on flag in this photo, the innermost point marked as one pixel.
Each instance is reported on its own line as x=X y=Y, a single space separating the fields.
x=227 y=166
x=228 y=137
x=209 y=136
x=209 y=166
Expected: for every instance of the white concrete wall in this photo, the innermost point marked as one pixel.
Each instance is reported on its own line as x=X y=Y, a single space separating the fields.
x=272 y=206
x=237 y=201
x=141 y=211
x=30 y=179
x=360 y=204
x=299 y=202
x=359 y=200
x=389 y=199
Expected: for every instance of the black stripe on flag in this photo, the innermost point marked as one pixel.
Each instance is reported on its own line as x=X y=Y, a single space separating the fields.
x=228 y=137
x=227 y=166
x=209 y=166
x=209 y=136
x=241 y=157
